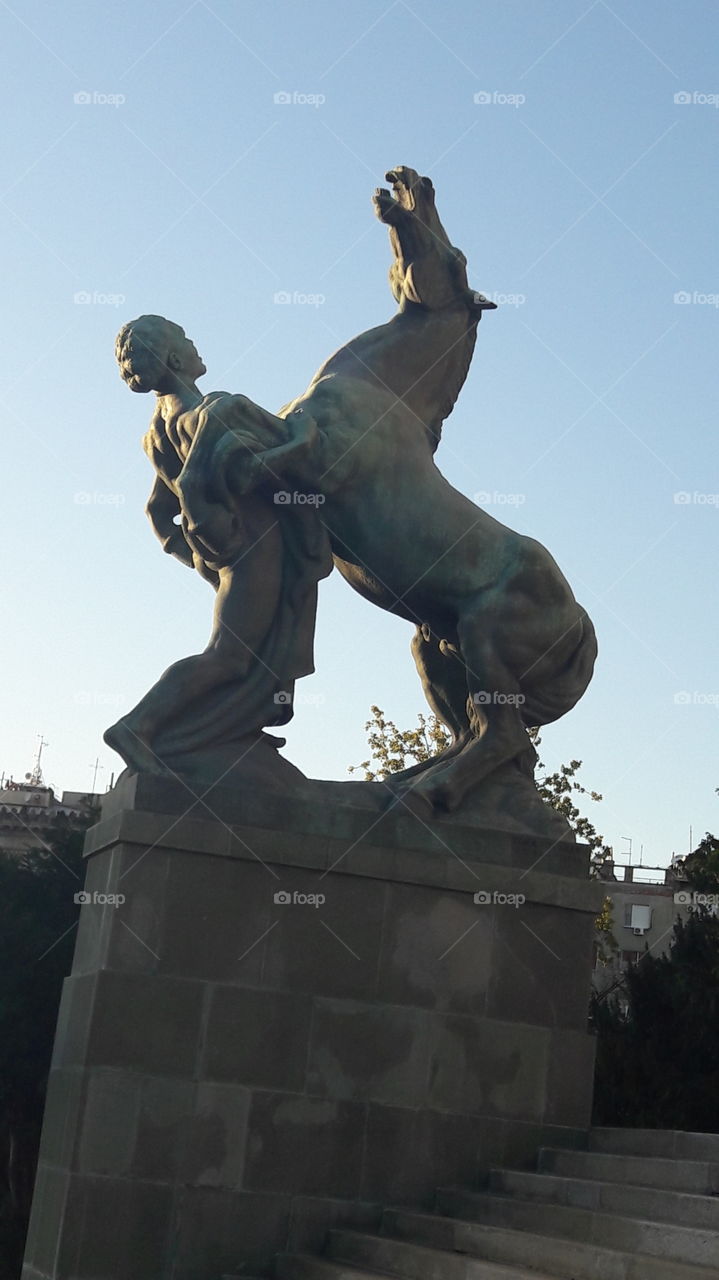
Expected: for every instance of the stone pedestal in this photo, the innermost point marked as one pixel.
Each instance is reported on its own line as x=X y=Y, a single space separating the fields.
x=292 y=1014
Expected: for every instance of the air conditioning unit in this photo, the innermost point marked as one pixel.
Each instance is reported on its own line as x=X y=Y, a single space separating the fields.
x=638 y=933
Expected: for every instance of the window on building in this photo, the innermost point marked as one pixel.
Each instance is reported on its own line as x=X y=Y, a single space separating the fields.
x=637 y=916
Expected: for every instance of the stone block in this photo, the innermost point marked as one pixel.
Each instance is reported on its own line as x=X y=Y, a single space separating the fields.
x=46 y=1219
x=136 y=925
x=369 y=1051
x=329 y=950
x=487 y=1067
x=540 y=961
x=114 y=1228
x=570 y=1079
x=109 y=1124
x=96 y=921
x=64 y=1104
x=436 y=950
x=257 y=1037
x=222 y=1233
x=215 y=1153
x=152 y=1027
x=74 y=1020
x=164 y=1123
x=304 y=1146
x=217 y=912
x=408 y=1154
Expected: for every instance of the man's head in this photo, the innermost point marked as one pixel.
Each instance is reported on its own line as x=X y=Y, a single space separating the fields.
x=154 y=354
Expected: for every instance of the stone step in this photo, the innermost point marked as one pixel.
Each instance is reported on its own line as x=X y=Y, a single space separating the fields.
x=699 y=1176
x=305 y=1266
x=612 y=1231
x=432 y=1263
x=671 y=1144
x=651 y=1203
x=426 y=1247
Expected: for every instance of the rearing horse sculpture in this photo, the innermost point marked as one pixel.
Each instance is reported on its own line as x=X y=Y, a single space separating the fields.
x=500 y=642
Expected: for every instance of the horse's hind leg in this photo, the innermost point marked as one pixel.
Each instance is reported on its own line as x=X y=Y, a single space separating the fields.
x=445 y=687
x=493 y=700
x=443 y=680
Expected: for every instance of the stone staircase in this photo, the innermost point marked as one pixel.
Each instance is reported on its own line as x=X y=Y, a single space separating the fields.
x=637 y=1205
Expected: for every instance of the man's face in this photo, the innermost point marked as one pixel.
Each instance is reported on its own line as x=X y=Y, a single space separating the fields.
x=192 y=360
x=185 y=356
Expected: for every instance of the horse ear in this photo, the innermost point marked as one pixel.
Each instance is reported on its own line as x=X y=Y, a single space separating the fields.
x=427 y=184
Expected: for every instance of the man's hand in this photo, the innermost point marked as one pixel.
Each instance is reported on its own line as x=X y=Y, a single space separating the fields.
x=292 y=462
x=204 y=570
x=176 y=545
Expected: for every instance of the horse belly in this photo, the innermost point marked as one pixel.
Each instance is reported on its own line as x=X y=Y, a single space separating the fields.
x=367 y=585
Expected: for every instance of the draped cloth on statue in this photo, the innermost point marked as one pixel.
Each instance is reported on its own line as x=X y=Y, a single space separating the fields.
x=219 y=441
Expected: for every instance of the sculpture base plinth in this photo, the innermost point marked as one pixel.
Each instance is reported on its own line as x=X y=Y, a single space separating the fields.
x=286 y=1022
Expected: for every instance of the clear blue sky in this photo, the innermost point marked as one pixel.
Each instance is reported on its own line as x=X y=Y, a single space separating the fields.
x=593 y=397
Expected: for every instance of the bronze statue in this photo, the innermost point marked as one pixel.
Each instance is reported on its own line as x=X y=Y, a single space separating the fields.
x=500 y=641
x=263 y=559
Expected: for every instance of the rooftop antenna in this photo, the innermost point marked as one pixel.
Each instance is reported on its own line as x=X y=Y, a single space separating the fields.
x=35 y=778
x=96 y=767
x=629 y=841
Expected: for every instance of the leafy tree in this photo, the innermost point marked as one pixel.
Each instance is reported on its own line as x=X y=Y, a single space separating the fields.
x=606 y=943
x=393 y=749
x=701 y=868
x=658 y=1036
x=38 y=918
x=658 y=1029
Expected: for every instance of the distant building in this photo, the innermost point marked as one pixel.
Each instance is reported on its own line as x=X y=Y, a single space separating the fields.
x=30 y=814
x=644 y=912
